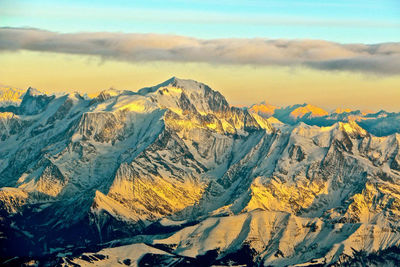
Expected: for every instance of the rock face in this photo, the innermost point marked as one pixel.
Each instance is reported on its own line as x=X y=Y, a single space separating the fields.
x=176 y=174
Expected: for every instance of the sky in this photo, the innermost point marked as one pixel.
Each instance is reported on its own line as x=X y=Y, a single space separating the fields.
x=328 y=53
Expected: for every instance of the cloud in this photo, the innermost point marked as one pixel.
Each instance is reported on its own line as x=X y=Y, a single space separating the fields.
x=318 y=54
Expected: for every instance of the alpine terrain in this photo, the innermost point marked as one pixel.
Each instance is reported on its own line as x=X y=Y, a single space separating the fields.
x=172 y=175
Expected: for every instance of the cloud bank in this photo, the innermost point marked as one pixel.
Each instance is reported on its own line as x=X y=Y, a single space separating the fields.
x=381 y=58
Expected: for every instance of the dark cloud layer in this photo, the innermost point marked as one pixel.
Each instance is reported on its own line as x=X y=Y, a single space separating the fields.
x=377 y=58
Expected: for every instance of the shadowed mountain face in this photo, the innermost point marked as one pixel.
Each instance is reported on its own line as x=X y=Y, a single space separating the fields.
x=173 y=175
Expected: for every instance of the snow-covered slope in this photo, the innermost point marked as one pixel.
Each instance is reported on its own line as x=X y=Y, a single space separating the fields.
x=172 y=174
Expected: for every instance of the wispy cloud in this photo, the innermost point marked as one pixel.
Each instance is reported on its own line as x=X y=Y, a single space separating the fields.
x=377 y=58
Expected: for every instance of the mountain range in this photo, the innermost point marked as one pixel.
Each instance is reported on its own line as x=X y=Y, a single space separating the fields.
x=172 y=175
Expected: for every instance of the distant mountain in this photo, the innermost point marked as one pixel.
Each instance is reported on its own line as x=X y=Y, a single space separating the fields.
x=380 y=123
x=263 y=109
x=10 y=96
x=172 y=175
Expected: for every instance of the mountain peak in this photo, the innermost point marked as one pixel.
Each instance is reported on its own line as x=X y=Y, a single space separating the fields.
x=109 y=92
x=175 y=82
x=352 y=128
x=305 y=109
x=185 y=83
x=10 y=96
x=263 y=109
x=34 y=101
x=342 y=110
x=33 y=92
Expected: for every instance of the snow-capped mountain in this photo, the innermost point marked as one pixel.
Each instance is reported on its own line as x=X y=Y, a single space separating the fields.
x=174 y=175
x=10 y=96
x=380 y=123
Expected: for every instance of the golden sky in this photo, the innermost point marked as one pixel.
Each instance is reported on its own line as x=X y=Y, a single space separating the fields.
x=240 y=84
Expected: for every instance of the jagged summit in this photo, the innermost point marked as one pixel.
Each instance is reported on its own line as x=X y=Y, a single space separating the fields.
x=352 y=128
x=33 y=92
x=34 y=102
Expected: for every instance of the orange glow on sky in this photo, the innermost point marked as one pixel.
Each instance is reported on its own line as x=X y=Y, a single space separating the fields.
x=240 y=84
